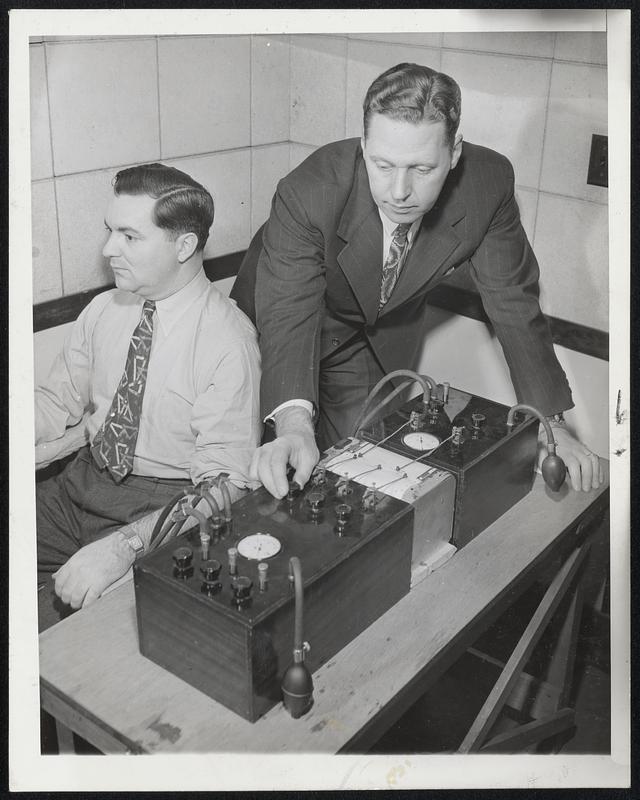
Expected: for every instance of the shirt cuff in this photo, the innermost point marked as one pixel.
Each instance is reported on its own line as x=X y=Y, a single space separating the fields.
x=287 y=404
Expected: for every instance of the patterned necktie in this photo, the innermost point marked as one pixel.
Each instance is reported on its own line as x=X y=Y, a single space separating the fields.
x=393 y=264
x=115 y=442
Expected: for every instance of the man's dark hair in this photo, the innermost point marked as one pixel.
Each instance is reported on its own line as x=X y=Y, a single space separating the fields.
x=182 y=204
x=413 y=93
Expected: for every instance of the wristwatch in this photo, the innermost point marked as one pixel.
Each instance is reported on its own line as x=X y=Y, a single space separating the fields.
x=557 y=419
x=135 y=543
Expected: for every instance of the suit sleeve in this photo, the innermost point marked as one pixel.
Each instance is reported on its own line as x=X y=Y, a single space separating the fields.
x=506 y=274
x=290 y=290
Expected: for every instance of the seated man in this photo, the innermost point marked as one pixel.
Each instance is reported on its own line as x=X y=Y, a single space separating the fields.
x=168 y=369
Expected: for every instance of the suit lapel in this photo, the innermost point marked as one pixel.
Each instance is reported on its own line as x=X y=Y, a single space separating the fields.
x=361 y=258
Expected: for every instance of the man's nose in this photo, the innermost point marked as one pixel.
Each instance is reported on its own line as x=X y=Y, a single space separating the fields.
x=110 y=249
x=401 y=186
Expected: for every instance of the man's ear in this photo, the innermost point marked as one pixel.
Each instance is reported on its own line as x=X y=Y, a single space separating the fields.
x=457 y=151
x=186 y=245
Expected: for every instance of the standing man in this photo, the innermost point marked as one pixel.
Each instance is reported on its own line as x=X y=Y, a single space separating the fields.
x=358 y=233
x=169 y=370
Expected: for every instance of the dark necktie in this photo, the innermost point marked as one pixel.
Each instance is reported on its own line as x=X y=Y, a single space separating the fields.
x=115 y=443
x=393 y=264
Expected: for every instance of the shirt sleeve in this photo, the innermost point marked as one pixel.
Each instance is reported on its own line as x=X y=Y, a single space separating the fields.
x=289 y=404
x=505 y=271
x=226 y=417
x=61 y=399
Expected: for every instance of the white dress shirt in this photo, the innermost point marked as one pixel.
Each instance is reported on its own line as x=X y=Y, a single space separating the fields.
x=200 y=412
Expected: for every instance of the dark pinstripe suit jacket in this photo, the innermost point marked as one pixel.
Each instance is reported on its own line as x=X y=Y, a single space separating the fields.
x=314 y=274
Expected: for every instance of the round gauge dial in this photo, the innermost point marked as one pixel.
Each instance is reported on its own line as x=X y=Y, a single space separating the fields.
x=259 y=546
x=421 y=441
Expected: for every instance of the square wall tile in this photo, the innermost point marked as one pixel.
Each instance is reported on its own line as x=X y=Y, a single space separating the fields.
x=104 y=104
x=407 y=38
x=269 y=89
x=367 y=60
x=82 y=202
x=518 y=43
x=527 y=200
x=41 y=162
x=204 y=94
x=228 y=177
x=268 y=166
x=298 y=153
x=577 y=109
x=571 y=244
x=318 y=78
x=581 y=46
x=45 y=248
x=503 y=106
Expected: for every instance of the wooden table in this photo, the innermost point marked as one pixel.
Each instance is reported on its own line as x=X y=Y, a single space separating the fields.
x=95 y=682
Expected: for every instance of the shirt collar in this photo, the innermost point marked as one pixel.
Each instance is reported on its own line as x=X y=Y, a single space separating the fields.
x=171 y=308
x=389 y=226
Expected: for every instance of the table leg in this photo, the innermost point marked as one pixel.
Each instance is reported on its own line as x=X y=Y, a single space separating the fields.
x=66 y=745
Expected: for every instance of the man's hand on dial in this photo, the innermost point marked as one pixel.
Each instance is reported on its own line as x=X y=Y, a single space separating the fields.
x=295 y=445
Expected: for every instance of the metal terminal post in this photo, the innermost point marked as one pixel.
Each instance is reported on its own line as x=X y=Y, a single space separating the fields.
x=263 y=580
x=343 y=485
x=370 y=498
x=232 y=553
x=319 y=477
x=416 y=420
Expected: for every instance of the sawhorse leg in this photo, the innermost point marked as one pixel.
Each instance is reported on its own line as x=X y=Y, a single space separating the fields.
x=66 y=745
x=512 y=677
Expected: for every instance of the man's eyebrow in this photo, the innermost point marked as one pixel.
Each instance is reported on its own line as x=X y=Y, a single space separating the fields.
x=375 y=157
x=121 y=229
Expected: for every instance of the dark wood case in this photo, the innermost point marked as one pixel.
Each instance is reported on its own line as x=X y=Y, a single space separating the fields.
x=238 y=656
x=493 y=467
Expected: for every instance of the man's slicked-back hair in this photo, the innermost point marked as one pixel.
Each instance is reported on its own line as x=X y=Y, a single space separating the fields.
x=414 y=93
x=182 y=204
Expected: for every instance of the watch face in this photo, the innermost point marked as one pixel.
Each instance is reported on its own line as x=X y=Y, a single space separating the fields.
x=135 y=542
x=421 y=441
x=259 y=546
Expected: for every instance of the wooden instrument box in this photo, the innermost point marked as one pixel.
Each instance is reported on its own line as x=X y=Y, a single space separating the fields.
x=352 y=573
x=493 y=467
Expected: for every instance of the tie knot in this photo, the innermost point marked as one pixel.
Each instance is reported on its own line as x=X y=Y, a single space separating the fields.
x=401 y=231
x=149 y=306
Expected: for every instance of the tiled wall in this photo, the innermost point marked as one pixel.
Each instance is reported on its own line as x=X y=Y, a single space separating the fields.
x=238 y=111
x=214 y=106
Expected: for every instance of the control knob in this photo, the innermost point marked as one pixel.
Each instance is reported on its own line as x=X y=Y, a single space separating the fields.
x=316 y=502
x=183 y=557
x=210 y=570
x=343 y=513
x=241 y=588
